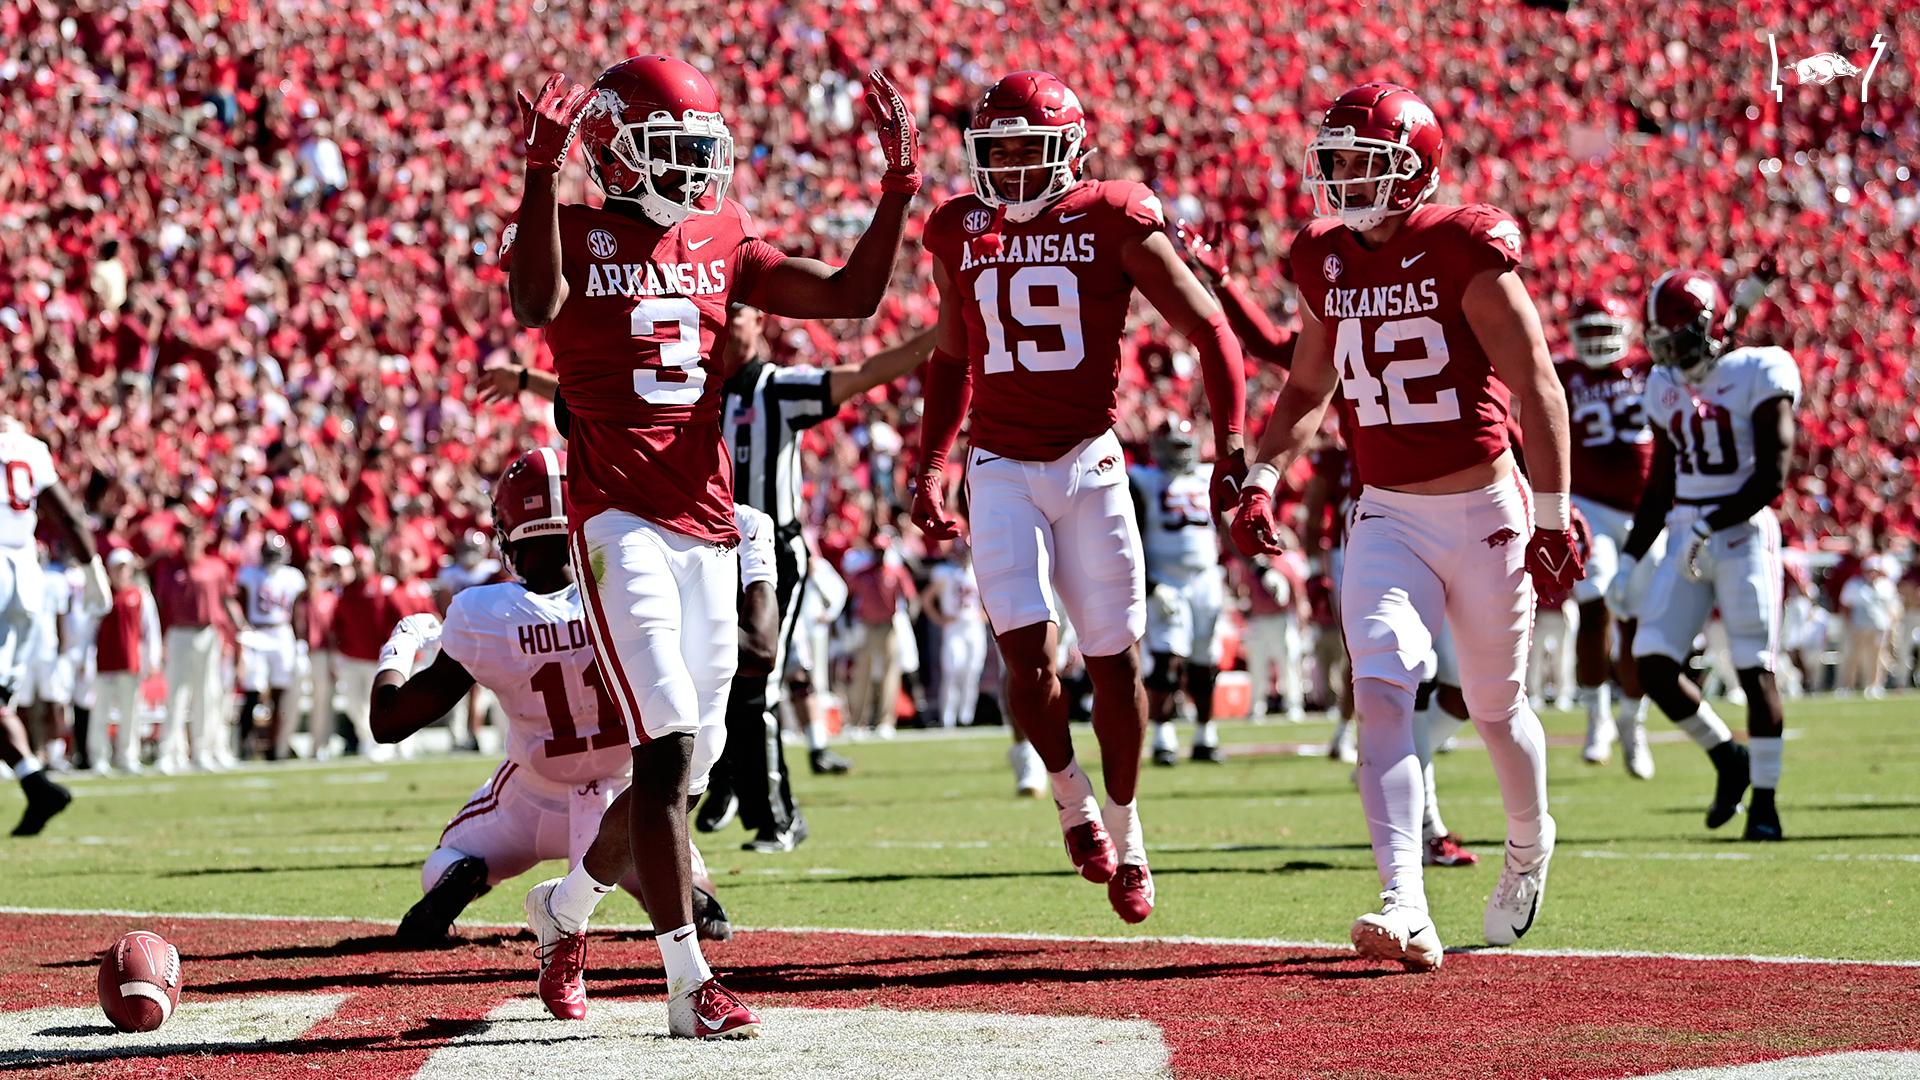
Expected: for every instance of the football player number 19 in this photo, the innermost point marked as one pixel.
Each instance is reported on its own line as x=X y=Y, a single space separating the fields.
x=679 y=379
x=1361 y=388
x=1024 y=310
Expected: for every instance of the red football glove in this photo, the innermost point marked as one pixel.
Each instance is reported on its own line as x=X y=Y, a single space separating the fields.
x=899 y=136
x=1254 y=531
x=930 y=508
x=1228 y=473
x=552 y=122
x=1207 y=251
x=1558 y=557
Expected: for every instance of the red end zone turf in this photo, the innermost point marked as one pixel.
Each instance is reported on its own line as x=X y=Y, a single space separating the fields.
x=1226 y=1011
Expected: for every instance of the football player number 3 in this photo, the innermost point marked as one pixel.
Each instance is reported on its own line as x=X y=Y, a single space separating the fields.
x=550 y=682
x=1027 y=310
x=1361 y=388
x=679 y=379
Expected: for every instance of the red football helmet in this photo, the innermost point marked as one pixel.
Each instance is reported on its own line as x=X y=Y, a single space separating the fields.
x=530 y=498
x=1402 y=140
x=1686 y=321
x=1026 y=104
x=653 y=135
x=1602 y=330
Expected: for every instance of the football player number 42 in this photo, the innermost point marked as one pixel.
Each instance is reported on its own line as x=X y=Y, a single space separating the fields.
x=1361 y=388
x=550 y=682
x=679 y=379
x=1027 y=307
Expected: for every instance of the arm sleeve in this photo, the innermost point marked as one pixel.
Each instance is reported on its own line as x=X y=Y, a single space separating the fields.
x=1226 y=377
x=803 y=395
x=1261 y=339
x=949 y=393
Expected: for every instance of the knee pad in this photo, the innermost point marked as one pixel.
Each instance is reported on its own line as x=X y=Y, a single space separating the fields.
x=439 y=861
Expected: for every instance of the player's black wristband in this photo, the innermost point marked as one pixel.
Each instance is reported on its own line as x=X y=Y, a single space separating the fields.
x=523 y=376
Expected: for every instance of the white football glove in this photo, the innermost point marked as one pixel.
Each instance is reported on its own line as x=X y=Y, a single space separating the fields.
x=413 y=634
x=1620 y=590
x=1696 y=556
x=96 y=593
x=1165 y=600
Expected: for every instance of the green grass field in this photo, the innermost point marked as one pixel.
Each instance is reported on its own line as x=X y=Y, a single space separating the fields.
x=926 y=835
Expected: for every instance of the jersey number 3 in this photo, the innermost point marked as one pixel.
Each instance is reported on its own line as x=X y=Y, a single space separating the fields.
x=1361 y=388
x=679 y=380
x=550 y=682
x=1025 y=310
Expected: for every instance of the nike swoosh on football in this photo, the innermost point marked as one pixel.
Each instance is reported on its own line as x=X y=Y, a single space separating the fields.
x=1404 y=263
x=696 y=245
x=1064 y=218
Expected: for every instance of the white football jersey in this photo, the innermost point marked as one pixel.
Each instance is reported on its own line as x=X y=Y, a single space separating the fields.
x=1711 y=425
x=1177 y=523
x=958 y=589
x=532 y=651
x=756 y=546
x=270 y=594
x=26 y=470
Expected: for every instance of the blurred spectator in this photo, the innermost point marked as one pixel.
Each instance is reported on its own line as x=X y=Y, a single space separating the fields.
x=1871 y=604
x=127 y=653
x=877 y=584
x=953 y=605
x=195 y=597
x=1277 y=614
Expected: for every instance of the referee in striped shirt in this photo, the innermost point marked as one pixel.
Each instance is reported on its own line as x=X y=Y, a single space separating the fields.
x=762 y=414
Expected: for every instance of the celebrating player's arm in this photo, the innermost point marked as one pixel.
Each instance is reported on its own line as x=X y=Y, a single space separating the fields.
x=1207 y=252
x=759 y=607
x=403 y=702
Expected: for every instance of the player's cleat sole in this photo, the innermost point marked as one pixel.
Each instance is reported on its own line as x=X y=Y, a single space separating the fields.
x=825 y=762
x=709 y=918
x=44 y=799
x=1448 y=850
x=1402 y=934
x=562 y=956
x=717 y=812
x=1166 y=758
x=1732 y=762
x=429 y=923
x=1130 y=891
x=1522 y=888
x=1091 y=850
x=710 y=1011
x=1209 y=753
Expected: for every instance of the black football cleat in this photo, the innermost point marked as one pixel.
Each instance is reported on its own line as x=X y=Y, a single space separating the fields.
x=429 y=923
x=826 y=761
x=1209 y=753
x=774 y=840
x=1763 y=818
x=709 y=918
x=44 y=799
x=1167 y=758
x=1731 y=760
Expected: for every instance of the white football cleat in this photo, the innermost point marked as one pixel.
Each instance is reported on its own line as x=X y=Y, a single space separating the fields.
x=1029 y=772
x=710 y=1011
x=1398 y=932
x=1516 y=900
x=1633 y=745
x=1600 y=736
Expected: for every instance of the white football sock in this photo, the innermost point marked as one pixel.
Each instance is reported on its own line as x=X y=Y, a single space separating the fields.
x=573 y=900
x=27 y=767
x=1631 y=711
x=680 y=954
x=816 y=734
x=1390 y=785
x=1599 y=701
x=1704 y=728
x=1430 y=823
x=1164 y=737
x=1763 y=769
x=1073 y=794
x=1518 y=748
x=1204 y=735
x=1123 y=825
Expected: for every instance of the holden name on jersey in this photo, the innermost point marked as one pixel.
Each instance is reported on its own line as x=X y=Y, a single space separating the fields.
x=1380 y=301
x=545 y=637
x=1037 y=248
x=657 y=279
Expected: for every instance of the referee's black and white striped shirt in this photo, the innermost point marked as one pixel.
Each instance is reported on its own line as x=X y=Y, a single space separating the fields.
x=764 y=410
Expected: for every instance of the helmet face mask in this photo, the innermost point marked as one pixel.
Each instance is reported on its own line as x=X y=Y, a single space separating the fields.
x=671 y=158
x=1601 y=331
x=1400 y=140
x=1173 y=447
x=1025 y=144
x=1684 y=313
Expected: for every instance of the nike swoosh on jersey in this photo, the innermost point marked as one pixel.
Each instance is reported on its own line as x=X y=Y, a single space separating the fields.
x=696 y=245
x=1064 y=218
x=1404 y=263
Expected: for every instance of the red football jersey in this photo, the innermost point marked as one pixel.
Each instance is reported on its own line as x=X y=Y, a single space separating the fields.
x=1612 y=444
x=636 y=350
x=1044 y=314
x=1420 y=397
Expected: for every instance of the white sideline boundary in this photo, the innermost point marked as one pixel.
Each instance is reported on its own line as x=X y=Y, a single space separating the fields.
x=1171 y=939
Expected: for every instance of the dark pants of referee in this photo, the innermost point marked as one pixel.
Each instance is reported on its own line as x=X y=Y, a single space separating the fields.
x=754 y=765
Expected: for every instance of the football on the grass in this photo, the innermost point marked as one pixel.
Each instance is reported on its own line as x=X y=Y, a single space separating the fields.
x=140 y=981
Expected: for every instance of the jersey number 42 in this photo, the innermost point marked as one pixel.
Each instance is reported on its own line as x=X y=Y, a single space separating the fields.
x=1363 y=389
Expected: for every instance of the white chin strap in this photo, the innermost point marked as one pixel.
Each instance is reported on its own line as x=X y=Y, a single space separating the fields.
x=663 y=212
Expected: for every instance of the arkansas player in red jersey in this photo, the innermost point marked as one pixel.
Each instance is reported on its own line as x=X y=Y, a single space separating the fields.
x=635 y=295
x=1036 y=269
x=1416 y=314
x=1612 y=451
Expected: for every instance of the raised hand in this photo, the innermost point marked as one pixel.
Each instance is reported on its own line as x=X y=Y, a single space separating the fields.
x=899 y=136
x=1206 y=251
x=550 y=124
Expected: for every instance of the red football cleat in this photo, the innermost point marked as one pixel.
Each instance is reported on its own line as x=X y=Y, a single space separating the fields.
x=1091 y=850
x=1131 y=892
x=1448 y=850
x=710 y=1011
x=562 y=989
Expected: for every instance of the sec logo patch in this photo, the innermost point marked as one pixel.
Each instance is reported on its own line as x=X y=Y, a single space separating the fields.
x=977 y=220
x=601 y=243
x=1332 y=267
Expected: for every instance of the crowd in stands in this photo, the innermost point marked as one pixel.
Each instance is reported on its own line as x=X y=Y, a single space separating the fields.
x=247 y=274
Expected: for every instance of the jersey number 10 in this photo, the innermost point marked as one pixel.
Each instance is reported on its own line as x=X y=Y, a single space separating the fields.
x=1698 y=447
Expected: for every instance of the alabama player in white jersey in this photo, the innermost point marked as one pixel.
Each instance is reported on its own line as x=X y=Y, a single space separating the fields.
x=1416 y=314
x=28 y=485
x=273 y=593
x=1724 y=422
x=1184 y=589
x=634 y=295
